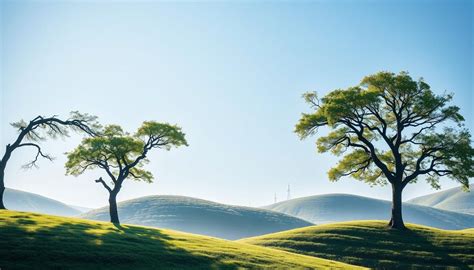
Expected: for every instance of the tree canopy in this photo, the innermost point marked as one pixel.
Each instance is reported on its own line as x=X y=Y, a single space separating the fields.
x=41 y=128
x=31 y=133
x=391 y=129
x=122 y=155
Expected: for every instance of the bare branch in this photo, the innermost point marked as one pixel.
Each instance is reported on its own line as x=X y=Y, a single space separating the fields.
x=100 y=180
x=39 y=153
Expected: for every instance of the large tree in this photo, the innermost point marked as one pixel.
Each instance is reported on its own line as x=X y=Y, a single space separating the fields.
x=31 y=133
x=393 y=130
x=122 y=155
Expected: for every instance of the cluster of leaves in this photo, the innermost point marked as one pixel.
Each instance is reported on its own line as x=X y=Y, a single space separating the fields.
x=122 y=154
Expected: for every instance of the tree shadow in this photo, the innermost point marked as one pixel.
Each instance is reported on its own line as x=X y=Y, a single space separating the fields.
x=78 y=245
x=441 y=255
x=382 y=248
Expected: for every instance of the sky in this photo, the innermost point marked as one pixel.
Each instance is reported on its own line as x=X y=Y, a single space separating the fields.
x=231 y=74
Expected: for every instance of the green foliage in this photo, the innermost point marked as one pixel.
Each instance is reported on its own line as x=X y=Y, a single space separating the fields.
x=369 y=244
x=171 y=135
x=391 y=128
x=122 y=154
x=309 y=123
x=454 y=153
x=359 y=165
x=34 y=241
x=114 y=147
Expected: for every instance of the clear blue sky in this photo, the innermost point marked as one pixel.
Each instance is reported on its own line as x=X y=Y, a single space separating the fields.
x=230 y=73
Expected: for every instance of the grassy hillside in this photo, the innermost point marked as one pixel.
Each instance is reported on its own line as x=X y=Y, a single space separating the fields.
x=34 y=241
x=330 y=208
x=454 y=199
x=26 y=201
x=369 y=243
x=199 y=216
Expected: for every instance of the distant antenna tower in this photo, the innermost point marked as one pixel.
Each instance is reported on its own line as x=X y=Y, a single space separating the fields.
x=275 y=198
x=288 y=194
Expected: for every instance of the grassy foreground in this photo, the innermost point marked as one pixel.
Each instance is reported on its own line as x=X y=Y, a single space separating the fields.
x=35 y=241
x=370 y=244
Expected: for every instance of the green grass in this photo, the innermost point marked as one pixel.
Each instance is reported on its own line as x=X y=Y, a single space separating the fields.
x=35 y=241
x=370 y=244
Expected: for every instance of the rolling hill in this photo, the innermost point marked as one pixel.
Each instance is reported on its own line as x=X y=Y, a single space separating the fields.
x=81 y=209
x=26 y=201
x=370 y=244
x=454 y=199
x=199 y=216
x=330 y=208
x=35 y=241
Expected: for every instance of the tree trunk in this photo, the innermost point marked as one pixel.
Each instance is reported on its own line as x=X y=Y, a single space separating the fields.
x=2 y=191
x=114 y=218
x=2 y=182
x=396 y=222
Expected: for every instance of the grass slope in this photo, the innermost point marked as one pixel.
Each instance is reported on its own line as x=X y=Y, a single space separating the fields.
x=331 y=208
x=454 y=199
x=34 y=241
x=200 y=216
x=26 y=201
x=370 y=244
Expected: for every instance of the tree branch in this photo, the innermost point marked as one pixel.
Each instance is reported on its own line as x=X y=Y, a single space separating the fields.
x=100 y=180
x=38 y=154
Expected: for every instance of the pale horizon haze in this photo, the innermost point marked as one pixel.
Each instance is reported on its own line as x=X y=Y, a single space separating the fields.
x=230 y=73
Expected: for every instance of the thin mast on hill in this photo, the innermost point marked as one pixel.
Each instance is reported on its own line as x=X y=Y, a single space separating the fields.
x=288 y=195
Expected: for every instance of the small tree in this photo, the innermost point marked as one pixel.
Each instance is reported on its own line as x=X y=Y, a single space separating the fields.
x=122 y=155
x=39 y=129
x=392 y=129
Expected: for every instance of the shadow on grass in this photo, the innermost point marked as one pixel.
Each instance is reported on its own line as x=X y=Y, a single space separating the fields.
x=75 y=245
x=381 y=248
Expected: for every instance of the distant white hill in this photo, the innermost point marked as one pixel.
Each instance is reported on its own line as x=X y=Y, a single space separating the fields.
x=199 y=216
x=81 y=208
x=26 y=201
x=344 y=207
x=454 y=199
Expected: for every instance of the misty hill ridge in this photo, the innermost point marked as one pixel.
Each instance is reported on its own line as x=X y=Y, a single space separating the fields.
x=454 y=199
x=199 y=216
x=26 y=201
x=330 y=208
